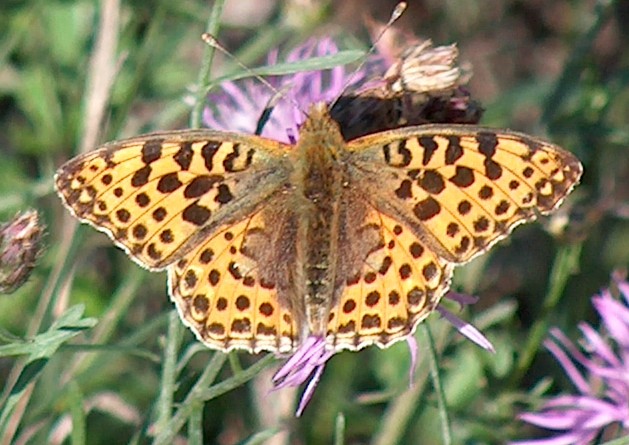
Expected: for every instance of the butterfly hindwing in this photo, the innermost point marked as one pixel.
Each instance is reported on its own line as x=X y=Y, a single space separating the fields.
x=399 y=283
x=224 y=295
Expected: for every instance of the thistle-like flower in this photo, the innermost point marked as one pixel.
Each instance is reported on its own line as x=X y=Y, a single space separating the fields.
x=308 y=362
x=239 y=105
x=599 y=370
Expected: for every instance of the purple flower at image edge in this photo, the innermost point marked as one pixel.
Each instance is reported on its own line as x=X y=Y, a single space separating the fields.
x=237 y=107
x=600 y=372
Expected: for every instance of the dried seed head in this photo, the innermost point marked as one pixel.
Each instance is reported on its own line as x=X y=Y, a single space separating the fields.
x=423 y=68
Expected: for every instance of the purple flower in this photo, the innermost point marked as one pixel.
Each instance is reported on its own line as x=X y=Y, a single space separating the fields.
x=600 y=372
x=310 y=358
x=238 y=107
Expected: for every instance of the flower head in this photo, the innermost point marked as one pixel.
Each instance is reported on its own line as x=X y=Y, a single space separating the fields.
x=239 y=105
x=599 y=371
x=423 y=84
x=308 y=362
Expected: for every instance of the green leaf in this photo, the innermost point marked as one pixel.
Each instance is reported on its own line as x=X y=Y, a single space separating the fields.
x=280 y=69
x=39 y=350
x=45 y=344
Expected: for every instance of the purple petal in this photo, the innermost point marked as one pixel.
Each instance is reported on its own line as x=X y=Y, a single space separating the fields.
x=554 y=419
x=598 y=346
x=466 y=329
x=302 y=363
x=566 y=363
x=309 y=391
x=615 y=317
x=588 y=406
x=307 y=362
x=462 y=299
x=294 y=359
x=612 y=374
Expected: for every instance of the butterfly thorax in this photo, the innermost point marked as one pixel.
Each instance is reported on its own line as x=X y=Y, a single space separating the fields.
x=318 y=181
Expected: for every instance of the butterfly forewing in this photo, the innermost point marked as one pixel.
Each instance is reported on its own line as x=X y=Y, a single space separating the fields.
x=155 y=194
x=462 y=188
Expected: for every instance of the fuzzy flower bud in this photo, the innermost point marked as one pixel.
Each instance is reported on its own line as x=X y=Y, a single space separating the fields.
x=20 y=246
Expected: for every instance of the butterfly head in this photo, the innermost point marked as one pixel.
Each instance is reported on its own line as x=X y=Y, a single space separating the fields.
x=317 y=113
x=320 y=127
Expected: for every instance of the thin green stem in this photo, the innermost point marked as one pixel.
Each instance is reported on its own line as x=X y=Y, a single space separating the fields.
x=168 y=431
x=433 y=359
x=195 y=425
x=202 y=392
x=75 y=397
x=169 y=372
x=235 y=381
x=234 y=363
x=339 y=429
x=203 y=80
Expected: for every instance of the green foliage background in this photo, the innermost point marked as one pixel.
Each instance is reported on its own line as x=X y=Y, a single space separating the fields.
x=90 y=348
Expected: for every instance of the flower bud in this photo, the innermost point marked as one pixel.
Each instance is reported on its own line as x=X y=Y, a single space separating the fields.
x=20 y=246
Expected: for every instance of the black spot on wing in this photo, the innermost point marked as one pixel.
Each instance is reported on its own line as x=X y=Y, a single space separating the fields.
x=152 y=151
x=430 y=147
x=487 y=143
x=454 y=151
x=183 y=157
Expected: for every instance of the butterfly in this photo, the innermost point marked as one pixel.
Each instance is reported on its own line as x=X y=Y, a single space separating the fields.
x=266 y=244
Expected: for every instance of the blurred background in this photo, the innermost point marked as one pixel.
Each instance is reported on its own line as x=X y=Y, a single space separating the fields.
x=75 y=74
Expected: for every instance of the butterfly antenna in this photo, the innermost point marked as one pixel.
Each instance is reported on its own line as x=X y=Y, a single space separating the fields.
x=395 y=15
x=277 y=94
